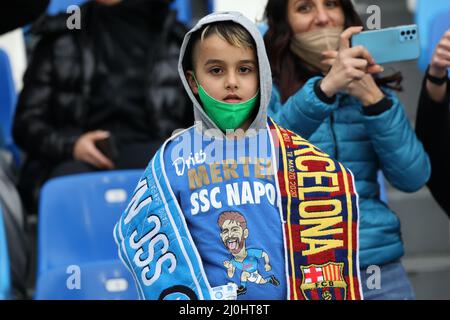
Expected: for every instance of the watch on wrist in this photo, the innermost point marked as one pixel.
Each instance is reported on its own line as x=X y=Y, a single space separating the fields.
x=436 y=80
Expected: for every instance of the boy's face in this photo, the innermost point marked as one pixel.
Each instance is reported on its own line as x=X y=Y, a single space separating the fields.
x=227 y=73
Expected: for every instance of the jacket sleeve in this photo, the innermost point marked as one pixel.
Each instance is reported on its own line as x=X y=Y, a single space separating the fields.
x=433 y=129
x=304 y=111
x=32 y=128
x=402 y=156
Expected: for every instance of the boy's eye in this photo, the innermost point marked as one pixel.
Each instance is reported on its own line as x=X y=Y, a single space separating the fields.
x=216 y=70
x=244 y=70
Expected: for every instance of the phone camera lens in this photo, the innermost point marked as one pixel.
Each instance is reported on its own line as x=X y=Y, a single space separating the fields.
x=408 y=32
x=413 y=32
x=402 y=33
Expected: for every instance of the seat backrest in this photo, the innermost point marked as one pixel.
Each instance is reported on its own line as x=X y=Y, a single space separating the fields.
x=77 y=215
x=426 y=11
x=184 y=11
x=7 y=99
x=104 y=280
x=440 y=24
x=5 y=280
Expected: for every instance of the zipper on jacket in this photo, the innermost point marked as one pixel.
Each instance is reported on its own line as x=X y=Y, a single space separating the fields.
x=333 y=136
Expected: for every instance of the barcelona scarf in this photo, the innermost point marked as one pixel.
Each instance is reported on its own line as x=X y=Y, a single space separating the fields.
x=320 y=208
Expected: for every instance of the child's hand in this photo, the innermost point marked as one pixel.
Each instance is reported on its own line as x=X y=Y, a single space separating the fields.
x=267 y=267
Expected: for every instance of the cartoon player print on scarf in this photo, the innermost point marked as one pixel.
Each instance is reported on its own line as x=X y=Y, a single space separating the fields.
x=234 y=232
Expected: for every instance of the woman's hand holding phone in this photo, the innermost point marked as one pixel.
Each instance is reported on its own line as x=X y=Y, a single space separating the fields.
x=348 y=65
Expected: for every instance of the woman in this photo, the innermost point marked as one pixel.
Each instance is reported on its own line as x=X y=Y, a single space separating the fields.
x=326 y=91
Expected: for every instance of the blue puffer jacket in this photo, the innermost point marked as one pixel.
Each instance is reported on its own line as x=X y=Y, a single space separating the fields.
x=364 y=144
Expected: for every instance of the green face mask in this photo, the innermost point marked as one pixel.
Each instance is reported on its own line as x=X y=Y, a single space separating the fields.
x=226 y=115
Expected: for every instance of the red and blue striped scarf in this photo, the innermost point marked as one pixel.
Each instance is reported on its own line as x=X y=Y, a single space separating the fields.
x=320 y=207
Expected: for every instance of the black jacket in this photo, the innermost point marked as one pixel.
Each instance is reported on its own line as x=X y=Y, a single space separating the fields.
x=52 y=108
x=433 y=128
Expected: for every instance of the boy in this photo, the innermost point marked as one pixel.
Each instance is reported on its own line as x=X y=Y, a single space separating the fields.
x=228 y=210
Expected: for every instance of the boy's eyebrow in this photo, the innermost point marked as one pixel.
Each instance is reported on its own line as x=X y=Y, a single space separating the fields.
x=248 y=61
x=216 y=61
x=213 y=61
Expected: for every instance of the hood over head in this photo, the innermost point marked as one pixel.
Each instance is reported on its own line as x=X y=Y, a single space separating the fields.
x=265 y=76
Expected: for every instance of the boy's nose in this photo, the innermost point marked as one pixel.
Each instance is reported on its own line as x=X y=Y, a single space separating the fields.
x=231 y=82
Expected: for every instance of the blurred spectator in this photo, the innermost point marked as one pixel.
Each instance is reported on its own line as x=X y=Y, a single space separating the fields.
x=15 y=229
x=14 y=15
x=17 y=13
x=115 y=78
x=433 y=121
x=329 y=93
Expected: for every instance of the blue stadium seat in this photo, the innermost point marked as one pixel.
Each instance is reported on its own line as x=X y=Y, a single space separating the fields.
x=210 y=6
x=104 y=280
x=5 y=277
x=184 y=11
x=438 y=27
x=77 y=215
x=8 y=99
x=58 y=6
x=426 y=12
x=263 y=27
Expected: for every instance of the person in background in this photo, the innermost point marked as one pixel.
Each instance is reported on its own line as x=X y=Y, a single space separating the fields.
x=102 y=97
x=15 y=14
x=15 y=228
x=330 y=93
x=433 y=121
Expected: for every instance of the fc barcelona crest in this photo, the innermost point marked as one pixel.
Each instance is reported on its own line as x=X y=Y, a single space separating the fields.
x=323 y=282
